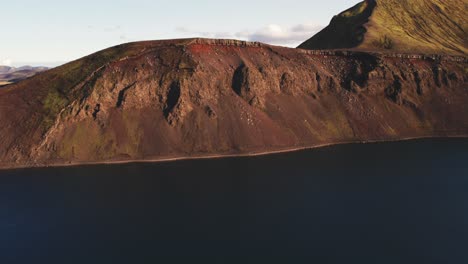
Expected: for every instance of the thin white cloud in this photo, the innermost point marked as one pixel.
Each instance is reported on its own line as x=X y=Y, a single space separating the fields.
x=6 y=62
x=187 y=32
x=271 y=34
x=182 y=30
x=113 y=29
x=277 y=35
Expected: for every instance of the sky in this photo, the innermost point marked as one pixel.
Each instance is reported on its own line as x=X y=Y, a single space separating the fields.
x=52 y=32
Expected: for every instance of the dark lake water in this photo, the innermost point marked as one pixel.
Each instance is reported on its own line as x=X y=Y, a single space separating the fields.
x=403 y=202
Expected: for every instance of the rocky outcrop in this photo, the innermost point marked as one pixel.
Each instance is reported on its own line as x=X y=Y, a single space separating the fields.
x=197 y=97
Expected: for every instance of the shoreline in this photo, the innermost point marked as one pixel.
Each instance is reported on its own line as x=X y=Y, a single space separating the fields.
x=222 y=156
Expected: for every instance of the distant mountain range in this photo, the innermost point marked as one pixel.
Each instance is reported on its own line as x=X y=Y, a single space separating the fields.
x=10 y=75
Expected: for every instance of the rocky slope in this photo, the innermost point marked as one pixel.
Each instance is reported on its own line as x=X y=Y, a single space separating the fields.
x=197 y=97
x=411 y=26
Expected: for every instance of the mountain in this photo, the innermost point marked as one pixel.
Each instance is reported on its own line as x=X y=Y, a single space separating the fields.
x=198 y=97
x=11 y=74
x=5 y=69
x=409 y=26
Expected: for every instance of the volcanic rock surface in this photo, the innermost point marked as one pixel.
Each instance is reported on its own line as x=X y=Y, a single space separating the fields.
x=410 y=26
x=199 y=97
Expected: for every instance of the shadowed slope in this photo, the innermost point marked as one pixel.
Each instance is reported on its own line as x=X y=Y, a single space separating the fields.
x=413 y=26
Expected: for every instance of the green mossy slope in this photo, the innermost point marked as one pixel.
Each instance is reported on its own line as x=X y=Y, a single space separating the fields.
x=410 y=26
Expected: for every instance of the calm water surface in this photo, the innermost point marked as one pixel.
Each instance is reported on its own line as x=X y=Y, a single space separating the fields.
x=380 y=203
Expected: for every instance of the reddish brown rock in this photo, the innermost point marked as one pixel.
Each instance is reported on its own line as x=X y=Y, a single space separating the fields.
x=191 y=98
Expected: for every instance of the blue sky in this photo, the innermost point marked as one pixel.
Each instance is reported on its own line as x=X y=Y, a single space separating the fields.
x=50 y=32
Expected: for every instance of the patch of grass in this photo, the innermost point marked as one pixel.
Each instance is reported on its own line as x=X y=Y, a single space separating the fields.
x=53 y=104
x=59 y=82
x=133 y=133
x=355 y=11
x=384 y=42
x=420 y=26
x=87 y=140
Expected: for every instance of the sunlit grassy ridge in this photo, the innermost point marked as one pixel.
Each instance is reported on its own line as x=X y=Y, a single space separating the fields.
x=356 y=10
x=420 y=26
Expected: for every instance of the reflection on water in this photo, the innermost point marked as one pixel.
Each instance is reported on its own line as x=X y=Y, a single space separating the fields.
x=401 y=202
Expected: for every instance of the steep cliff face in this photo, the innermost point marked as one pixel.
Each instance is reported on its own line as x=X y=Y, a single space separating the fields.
x=184 y=98
x=412 y=26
